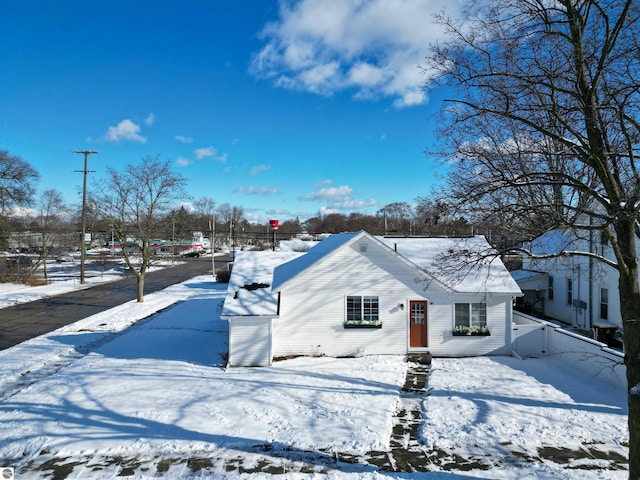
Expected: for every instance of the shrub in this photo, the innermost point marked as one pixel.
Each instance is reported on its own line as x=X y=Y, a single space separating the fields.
x=223 y=276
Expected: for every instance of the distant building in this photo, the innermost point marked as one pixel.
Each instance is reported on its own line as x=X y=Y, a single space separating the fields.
x=577 y=290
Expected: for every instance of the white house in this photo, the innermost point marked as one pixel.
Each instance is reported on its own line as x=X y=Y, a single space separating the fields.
x=576 y=290
x=355 y=294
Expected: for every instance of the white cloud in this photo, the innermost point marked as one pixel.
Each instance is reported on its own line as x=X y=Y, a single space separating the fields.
x=327 y=211
x=338 y=198
x=150 y=120
x=126 y=130
x=279 y=213
x=23 y=212
x=204 y=152
x=183 y=139
x=210 y=152
x=183 y=162
x=320 y=78
x=259 y=168
x=410 y=98
x=365 y=75
x=353 y=204
x=326 y=181
x=371 y=47
x=329 y=194
x=257 y=190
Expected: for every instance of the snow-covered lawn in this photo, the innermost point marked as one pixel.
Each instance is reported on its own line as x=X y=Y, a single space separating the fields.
x=503 y=409
x=122 y=394
x=64 y=277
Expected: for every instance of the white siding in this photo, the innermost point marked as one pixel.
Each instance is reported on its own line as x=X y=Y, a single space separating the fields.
x=312 y=309
x=587 y=279
x=441 y=325
x=558 y=269
x=250 y=341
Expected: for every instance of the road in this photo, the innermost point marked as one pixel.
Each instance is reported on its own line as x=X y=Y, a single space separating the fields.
x=27 y=320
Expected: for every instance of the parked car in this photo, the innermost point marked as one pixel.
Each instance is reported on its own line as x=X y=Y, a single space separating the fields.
x=64 y=257
x=191 y=254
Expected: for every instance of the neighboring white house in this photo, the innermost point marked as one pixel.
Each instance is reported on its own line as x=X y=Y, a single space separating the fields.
x=355 y=294
x=577 y=290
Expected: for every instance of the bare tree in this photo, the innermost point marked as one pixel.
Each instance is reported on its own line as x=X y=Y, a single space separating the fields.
x=52 y=207
x=205 y=207
x=225 y=214
x=397 y=218
x=135 y=201
x=237 y=214
x=17 y=188
x=205 y=210
x=435 y=217
x=17 y=182
x=233 y=218
x=544 y=131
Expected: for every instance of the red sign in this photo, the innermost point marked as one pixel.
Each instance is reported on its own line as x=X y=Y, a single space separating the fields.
x=274 y=224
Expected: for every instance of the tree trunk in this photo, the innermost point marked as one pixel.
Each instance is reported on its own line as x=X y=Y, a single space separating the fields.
x=630 y=310
x=630 y=306
x=140 y=284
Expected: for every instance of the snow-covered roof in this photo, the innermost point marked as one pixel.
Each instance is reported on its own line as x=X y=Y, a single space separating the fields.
x=286 y=272
x=467 y=264
x=249 y=291
x=521 y=274
x=463 y=265
x=296 y=245
x=530 y=279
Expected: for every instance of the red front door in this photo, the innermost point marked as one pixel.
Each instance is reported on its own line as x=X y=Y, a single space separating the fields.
x=417 y=324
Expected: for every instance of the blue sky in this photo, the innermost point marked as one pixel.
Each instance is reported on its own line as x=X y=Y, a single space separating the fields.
x=284 y=108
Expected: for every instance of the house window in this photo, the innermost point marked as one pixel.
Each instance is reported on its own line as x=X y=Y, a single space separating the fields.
x=604 y=243
x=471 y=315
x=604 y=303
x=354 y=308
x=569 y=291
x=362 y=308
x=550 y=288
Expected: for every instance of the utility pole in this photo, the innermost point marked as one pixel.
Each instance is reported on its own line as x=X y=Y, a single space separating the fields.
x=212 y=229
x=173 y=240
x=83 y=247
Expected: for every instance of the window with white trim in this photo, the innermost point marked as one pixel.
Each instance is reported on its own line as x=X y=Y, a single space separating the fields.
x=604 y=303
x=471 y=315
x=569 y=291
x=364 y=308
x=604 y=244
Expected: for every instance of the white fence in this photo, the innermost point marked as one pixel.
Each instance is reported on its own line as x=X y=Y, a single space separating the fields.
x=533 y=337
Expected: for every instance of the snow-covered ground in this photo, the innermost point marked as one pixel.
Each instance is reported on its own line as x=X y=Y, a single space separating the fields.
x=127 y=392
x=65 y=277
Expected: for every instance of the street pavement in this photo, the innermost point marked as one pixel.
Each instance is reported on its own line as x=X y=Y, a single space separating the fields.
x=27 y=320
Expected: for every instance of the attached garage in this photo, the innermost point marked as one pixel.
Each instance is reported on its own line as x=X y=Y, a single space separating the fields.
x=251 y=307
